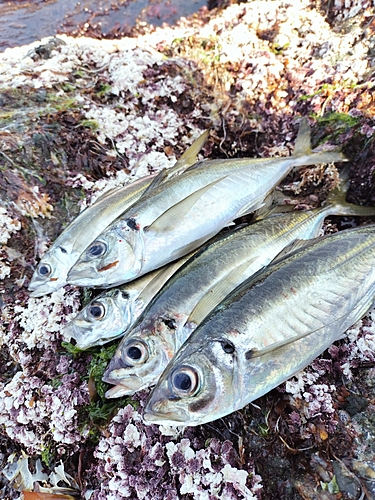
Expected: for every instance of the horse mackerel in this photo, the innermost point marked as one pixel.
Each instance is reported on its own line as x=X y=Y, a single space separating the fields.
x=170 y=222
x=51 y=272
x=269 y=328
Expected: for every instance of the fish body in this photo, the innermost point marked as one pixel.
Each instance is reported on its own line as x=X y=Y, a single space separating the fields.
x=110 y=314
x=198 y=287
x=267 y=329
x=51 y=272
x=185 y=212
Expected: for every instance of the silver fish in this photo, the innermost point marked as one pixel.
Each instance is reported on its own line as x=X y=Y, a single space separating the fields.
x=202 y=283
x=51 y=272
x=184 y=212
x=110 y=314
x=269 y=328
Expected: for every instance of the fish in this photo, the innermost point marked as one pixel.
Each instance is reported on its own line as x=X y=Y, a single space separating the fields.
x=185 y=212
x=110 y=314
x=52 y=271
x=200 y=284
x=269 y=328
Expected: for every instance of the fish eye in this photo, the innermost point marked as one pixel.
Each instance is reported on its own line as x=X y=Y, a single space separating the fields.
x=97 y=249
x=96 y=310
x=44 y=270
x=135 y=352
x=184 y=381
x=228 y=347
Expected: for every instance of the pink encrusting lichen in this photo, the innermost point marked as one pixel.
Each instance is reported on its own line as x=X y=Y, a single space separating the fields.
x=39 y=404
x=137 y=461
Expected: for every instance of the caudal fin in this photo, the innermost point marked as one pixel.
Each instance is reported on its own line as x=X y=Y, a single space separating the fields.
x=336 y=198
x=302 y=149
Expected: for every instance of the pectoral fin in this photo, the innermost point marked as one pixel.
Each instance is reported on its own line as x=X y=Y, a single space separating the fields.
x=219 y=291
x=358 y=311
x=172 y=217
x=295 y=246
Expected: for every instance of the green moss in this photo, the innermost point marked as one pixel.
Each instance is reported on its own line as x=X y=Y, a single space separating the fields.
x=278 y=49
x=92 y=124
x=47 y=456
x=98 y=365
x=104 y=89
x=341 y=119
x=332 y=487
x=72 y=349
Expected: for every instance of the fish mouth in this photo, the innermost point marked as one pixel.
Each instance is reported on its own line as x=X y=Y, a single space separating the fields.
x=83 y=277
x=159 y=411
x=125 y=387
x=174 y=418
x=40 y=289
x=71 y=331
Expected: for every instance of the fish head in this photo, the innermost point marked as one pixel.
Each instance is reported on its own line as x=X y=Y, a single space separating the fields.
x=105 y=318
x=198 y=385
x=140 y=358
x=51 y=272
x=109 y=260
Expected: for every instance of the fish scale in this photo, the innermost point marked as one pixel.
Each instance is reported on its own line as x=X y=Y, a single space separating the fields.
x=275 y=324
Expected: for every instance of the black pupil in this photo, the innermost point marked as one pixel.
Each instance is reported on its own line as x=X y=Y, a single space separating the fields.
x=228 y=348
x=96 y=249
x=169 y=323
x=96 y=311
x=44 y=270
x=134 y=353
x=182 y=381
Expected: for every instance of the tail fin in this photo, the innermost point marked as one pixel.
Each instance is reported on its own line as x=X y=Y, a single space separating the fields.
x=337 y=198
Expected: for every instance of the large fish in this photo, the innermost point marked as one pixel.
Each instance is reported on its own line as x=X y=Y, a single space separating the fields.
x=52 y=270
x=269 y=328
x=202 y=283
x=184 y=212
x=110 y=314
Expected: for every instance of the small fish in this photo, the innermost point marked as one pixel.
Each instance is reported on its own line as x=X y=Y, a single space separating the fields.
x=269 y=328
x=51 y=272
x=186 y=211
x=110 y=314
x=198 y=287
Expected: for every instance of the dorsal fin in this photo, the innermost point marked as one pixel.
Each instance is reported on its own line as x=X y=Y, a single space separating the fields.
x=189 y=157
x=161 y=278
x=303 y=142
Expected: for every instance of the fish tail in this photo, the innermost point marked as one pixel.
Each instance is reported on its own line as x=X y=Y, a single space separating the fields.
x=337 y=198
